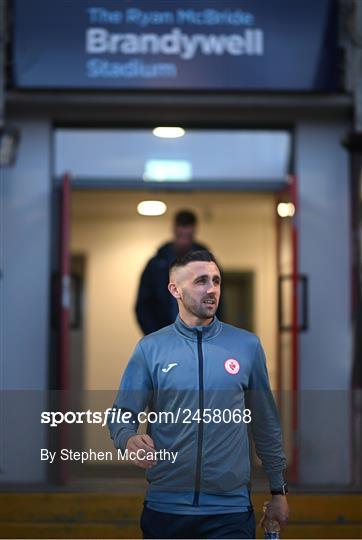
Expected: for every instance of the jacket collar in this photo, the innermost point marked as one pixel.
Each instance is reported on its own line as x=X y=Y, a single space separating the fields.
x=190 y=332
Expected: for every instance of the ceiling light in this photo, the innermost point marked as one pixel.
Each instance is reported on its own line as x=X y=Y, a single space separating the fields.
x=151 y=208
x=286 y=209
x=169 y=132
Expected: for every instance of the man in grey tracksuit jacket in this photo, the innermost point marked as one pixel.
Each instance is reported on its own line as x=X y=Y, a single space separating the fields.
x=212 y=379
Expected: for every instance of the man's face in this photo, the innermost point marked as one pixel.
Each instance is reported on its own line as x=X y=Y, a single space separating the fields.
x=199 y=285
x=184 y=237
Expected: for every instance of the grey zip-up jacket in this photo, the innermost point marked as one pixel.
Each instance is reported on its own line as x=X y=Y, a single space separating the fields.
x=217 y=367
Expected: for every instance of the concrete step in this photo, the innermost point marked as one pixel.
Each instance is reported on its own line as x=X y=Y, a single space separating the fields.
x=129 y=530
x=84 y=507
x=77 y=507
x=71 y=530
x=111 y=515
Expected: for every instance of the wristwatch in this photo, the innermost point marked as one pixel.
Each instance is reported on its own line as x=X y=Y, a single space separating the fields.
x=283 y=490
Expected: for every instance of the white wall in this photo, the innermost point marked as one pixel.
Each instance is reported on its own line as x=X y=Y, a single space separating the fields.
x=325 y=350
x=25 y=255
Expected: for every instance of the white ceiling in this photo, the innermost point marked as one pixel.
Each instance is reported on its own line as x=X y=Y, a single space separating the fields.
x=212 y=155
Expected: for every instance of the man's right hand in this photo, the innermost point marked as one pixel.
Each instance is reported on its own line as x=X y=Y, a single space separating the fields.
x=144 y=443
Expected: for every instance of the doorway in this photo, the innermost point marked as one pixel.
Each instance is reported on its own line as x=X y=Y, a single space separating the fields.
x=237 y=221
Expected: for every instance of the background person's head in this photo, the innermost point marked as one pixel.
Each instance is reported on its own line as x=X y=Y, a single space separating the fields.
x=195 y=282
x=184 y=229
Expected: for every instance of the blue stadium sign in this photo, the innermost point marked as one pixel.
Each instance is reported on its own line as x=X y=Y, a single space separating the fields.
x=182 y=45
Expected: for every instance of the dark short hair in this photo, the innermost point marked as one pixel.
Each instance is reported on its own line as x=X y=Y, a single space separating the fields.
x=192 y=256
x=184 y=218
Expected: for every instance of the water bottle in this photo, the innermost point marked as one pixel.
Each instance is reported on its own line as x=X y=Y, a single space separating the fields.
x=271 y=527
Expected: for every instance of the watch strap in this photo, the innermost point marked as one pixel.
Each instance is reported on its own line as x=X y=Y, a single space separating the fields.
x=283 y=490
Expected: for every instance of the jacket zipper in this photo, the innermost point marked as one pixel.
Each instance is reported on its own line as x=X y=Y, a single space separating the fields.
x=201 y=424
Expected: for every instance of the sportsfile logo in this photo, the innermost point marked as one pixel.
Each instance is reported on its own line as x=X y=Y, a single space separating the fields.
x=119 y=416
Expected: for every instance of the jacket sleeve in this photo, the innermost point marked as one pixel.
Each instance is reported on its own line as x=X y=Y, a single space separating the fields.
x=134 y=394
x=265 y=424
x=145 y=302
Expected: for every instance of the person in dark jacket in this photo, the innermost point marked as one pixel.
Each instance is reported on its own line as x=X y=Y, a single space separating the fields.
x=155 y=307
